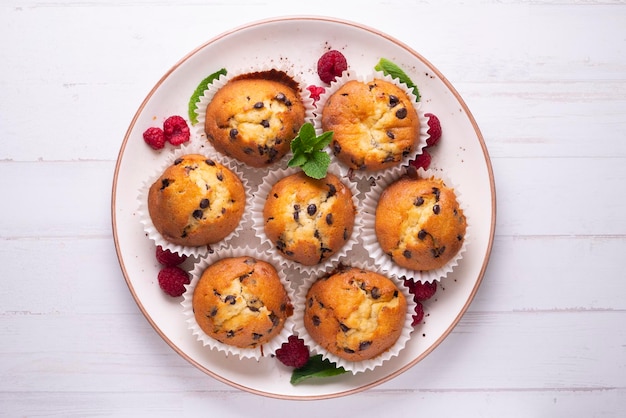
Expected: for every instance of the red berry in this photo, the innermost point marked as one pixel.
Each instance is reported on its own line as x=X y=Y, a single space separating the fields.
x=154 y=137
x=172 y=280
x=331 y=65
x=315 y=92
x=419 y=314
x=434 y=129
x=421 y=291
x=168 y=258
x=176 y=130
x=423 y=160
x=293 y=353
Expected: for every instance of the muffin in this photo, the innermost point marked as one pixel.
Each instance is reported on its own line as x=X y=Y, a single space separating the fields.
x=196 y=201
x=374 y=123
x=254 y=117
x=354 y=313
x=240 y=301
x=308 y=220
x=419 y=223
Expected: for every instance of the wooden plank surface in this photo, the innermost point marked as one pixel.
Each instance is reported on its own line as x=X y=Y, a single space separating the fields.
x=545 y=335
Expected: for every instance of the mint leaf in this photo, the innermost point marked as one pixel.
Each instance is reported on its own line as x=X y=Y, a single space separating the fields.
x=204 y=84
x=390 y=68
x=315 y=367
x=316 y=165
x=308 y=151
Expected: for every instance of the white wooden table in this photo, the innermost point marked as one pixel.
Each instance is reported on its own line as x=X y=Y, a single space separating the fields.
x=546 y=333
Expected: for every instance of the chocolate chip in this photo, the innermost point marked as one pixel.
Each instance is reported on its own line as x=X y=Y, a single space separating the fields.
x=265 y=123
x=422 y=235
x=233 y=133
x=419 y=201
x=213 y=312
x=348 y=350
x=210 y=162
x=258 y=105
x=364 y=345
x=311 y=209
x=316 y=320
x=230 y=299
x=393 y=100
x=375 y=293
x=281 y=97
x=296 y=212
x=332 y=190
x=256 y=336
x=344 y=327
x=406 y=254
x=165 y=183
x=391 y=135
x=220 y=176
x=459 y=237
x=437 y=252
x=204 y=203
x=197 y=214
x=310 y=302
x=275 y=319
x=437 y=193
x=329 y=219
x=345 y=234
x=230 y=334
x=401 y=113
x=436 y=209
x=178 y=161
x=336 y=148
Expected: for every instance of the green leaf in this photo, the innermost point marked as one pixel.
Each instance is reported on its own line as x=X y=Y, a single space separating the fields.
x=316 y=367
x=308 y=151
x=390 y=68
x=316 y=165
x=204 y=84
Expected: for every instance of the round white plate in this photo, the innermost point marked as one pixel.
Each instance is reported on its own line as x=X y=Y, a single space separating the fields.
x=299 y=42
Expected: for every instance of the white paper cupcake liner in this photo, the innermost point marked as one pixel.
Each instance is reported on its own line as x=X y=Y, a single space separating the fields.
x=194 y=147
x=266 y=349
x=209 y=93
x=351 y=75
x=372 y=246
x=258 y=222
x=354 y=367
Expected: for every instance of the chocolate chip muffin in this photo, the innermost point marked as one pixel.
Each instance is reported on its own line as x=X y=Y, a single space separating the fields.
x=419 y=223
x=308 y=220
x=254 y=117
x=374 y=124
x=196 y=201
x=355 y=314
x=240 y=301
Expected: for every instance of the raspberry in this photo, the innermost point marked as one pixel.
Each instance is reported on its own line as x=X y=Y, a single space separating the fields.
x=154 y=137
x=423 y=160
x=419 y=314
x=176 y=130
x=434 y=130
x=172 y=280
x=421 y=291
x=168 y=258
x=293 y=353
x=315 y=92
x=331 y=65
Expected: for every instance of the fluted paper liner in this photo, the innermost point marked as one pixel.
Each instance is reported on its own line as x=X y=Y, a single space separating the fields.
x=266 y=349
x=370 y=241
x=258 y=222
x=144 y=215
x=354 y=367
x=351 y=75
x=222 y=80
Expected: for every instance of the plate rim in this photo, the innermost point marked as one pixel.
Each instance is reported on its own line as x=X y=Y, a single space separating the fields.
x=466 y=110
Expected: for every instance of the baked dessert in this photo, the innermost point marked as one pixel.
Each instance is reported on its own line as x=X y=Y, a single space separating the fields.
x=419 y=223
x=240 y=301
x=374 y=124
x=196 y=201
x=355 y=314
x=254 y=117
x=308 y=220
